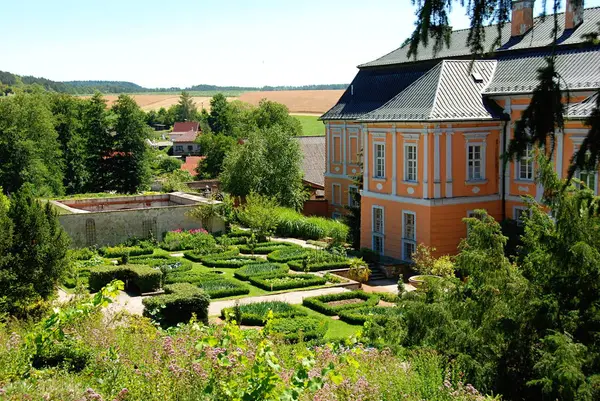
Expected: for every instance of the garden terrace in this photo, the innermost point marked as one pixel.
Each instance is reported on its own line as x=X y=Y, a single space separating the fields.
x=110 y=221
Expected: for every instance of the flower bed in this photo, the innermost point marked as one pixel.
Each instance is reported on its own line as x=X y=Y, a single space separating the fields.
x=260 y=269
x=163 y=262
x=298 y=328
x=180 y=240
x=287 y=254
x=378 y=314
x=298 y=266
x=322 y=303
x=198 y=257
x=223 y=287
x=287 y=281
x=139 y=277
x=255 y=314
x=233 y=262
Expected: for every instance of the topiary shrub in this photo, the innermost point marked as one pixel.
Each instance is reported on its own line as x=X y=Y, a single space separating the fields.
x=136 y=277
x=223 y=287
x=287 y=254
x=322 y=304
x=260 y=269
x=179 y=303
x=255 y=314
x=286 y=281
x=303 y=328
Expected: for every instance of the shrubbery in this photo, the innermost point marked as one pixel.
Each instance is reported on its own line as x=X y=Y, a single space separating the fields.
x=230 y=263
x=282 y=282
x=293 y=224
x=139 y=277
x=179 y=303
x=199 y=257
x=320 y=303
x=378 y=314
x=264 y=248
x=120 y=251
x=163 y=262
x=193 y=276
x=70 y=355
x=223 y=287
x=260 y=269
x=199 y=240
x=298 y=328
x=255 y=314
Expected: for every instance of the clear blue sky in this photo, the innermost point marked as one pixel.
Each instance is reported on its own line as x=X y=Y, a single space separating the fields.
x=164 y=43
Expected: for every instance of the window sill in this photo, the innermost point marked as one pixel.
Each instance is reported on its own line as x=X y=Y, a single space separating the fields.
x=476 y=182
x=523 y=181
x=381 y=179
x=413 y=183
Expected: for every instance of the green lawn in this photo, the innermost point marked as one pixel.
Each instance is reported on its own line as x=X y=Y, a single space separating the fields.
x=337 y=329
x=311 y=126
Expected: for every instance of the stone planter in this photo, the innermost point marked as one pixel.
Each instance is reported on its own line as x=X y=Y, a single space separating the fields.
x=418 y=281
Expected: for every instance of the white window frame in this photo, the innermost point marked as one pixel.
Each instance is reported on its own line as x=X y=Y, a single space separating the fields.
x=376 y=174
x=406 y=240
x=407 y=162
x=350 y=199
x=517 y=211
x=471 y=169
x=378 y=234
x=594 y=174
x=528 y=156
x=334 y=193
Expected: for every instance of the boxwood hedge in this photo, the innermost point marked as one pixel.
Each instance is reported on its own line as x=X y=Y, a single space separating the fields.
x=223 y=287
x=260 y=269
x=264 y=248
x=233 y=262
x=165 y=263
x=286 y=281
x=194 y=276
x=197 y=257
x=378 y=314
x=287 y=254
x=300 y=327
x=178 y=304
x=297 y=265
x=320 y=303
x=120 y=251
x=136 y=277
x=255 y=314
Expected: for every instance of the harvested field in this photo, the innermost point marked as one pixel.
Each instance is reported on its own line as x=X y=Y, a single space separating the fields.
x=155 y=102
x=310 y=101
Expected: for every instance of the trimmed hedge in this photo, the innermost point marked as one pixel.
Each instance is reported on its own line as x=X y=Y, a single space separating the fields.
x=223 y=287
x=231 y=263
x=255 y=314
x=191 y=276
x=193 y=239
x=239 y=233
x=141 y=277
x=319 y=303
x=378 y=314
x=264 y=248
x=260 y=269
x=120 y=251
x=286 y=281
x=165 y=263
x=197 y=257
x=287 y=254
x=296 y=265
x=300 y=327
x=178 y=304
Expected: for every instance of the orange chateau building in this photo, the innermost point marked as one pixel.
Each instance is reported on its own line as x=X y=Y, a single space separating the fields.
x=432 y=131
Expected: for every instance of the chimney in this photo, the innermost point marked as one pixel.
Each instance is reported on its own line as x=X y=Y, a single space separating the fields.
x=522 y=17
x=573 y=14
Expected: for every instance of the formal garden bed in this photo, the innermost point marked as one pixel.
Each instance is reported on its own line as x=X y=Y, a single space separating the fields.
x=298 y=328
x=378 y=314
x=333 y=304
x=282 y=282
x=256 y=314
x=260 y=269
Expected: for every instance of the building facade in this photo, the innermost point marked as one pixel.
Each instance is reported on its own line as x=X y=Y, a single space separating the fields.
x=431 y=132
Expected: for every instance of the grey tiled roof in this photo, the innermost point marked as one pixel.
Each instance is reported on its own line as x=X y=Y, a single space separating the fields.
x=584 y=108
x=448 y=91
x=539 y=36
x=578 y=68
x=372 y=88
x=313 y=164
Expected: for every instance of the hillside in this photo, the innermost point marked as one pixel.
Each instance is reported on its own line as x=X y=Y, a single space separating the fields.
x=10 y=81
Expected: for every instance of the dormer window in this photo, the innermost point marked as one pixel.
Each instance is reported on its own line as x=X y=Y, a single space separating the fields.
x=477 y=78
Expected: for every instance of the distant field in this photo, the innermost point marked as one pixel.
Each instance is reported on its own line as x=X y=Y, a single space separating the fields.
x=155 y=102
x=311 y=126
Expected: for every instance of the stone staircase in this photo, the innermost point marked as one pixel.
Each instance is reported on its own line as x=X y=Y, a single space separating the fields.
x=376 y=273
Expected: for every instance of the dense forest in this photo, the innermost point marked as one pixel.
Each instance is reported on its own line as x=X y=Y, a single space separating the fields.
x=10 y=81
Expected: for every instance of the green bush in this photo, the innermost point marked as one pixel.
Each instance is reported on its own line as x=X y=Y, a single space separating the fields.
x=193 y=276
x=378 y=314
x=179 y=303
x=286 y=281
x=262 y=269
x=70 y=355
x=230 y=263
x=198 y=257
x=120 y=251
x=287 y=254
x=136 y=277
x=223 y=287
x=198 y=240
x=163 y=262
x=255 y=314
x=82 y=253
x=236 y=232
x=298 y=266
x=293 y=224
x=300 y=327
x=320 y=303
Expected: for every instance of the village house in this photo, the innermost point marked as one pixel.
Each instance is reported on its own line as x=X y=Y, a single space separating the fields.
x=432 y=131
x=186 y=144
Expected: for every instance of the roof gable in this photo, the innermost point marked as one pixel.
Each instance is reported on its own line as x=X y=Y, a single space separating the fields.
x=186 y=126
x=189 y=136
